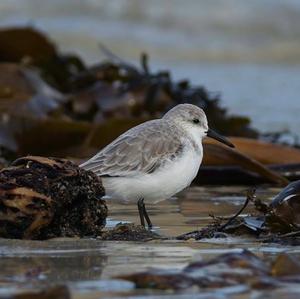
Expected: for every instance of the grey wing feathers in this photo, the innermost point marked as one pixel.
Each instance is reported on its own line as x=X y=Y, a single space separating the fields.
x=139 y=150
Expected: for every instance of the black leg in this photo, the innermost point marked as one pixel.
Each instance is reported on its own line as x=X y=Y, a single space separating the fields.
x=140 y=205
x=147 y=216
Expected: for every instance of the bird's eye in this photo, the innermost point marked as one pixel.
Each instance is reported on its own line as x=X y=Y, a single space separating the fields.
x=196 y=121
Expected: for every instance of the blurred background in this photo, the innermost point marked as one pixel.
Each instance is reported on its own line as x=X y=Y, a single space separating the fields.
x=62 y=94
x=247 y=51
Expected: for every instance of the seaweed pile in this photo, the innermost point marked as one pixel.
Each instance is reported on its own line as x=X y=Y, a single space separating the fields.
x=277 y=222
x=42 y=198
x=53 y=104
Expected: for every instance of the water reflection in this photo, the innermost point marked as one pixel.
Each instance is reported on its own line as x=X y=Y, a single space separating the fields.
x=190 y=210
x=88 y=265
x=56 y=268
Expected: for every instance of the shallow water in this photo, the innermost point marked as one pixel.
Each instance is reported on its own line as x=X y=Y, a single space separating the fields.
x=88 y=266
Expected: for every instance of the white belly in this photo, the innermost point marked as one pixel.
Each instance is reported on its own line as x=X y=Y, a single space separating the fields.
x=160 y=185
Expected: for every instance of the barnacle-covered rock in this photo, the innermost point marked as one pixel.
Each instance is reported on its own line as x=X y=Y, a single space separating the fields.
x=42 y=198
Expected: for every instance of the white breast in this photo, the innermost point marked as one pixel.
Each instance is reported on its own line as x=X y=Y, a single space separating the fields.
x=162 y=184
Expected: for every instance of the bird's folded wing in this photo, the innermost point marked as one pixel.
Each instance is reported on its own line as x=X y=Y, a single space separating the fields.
x=136 y=152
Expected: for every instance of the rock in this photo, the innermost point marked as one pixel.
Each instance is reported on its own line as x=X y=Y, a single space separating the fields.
x=286 y=205
x=41 y=198
x=20 y=43
x=229 y=269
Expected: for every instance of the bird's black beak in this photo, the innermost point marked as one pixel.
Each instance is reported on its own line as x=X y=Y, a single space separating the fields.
x=212 y=134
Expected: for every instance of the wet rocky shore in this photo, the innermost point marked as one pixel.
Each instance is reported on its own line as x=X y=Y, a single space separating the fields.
x=59 y=238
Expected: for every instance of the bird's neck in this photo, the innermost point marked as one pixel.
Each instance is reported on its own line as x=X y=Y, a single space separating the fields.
x=195 y=138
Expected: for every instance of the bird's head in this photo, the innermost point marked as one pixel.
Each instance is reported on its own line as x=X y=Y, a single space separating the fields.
x=193 y=120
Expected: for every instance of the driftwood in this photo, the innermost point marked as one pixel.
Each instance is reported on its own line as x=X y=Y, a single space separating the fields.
x=42 y=198
x=228 y=156
x=264 y=152
x=236 y=175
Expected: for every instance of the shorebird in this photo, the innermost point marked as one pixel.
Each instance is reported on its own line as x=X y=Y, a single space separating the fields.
x=156 y=159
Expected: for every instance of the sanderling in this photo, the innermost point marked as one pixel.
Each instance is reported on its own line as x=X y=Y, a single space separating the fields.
x=156 y=159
